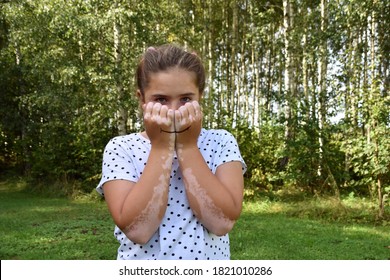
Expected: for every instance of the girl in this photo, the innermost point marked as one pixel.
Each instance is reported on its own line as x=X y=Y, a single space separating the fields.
x=174 y=190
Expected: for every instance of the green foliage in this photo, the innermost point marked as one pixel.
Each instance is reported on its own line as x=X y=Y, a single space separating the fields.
x=369 y=154
x=369 y=161
x=303 y=159
x=62 y=87
x=258 y=149
x=62 y=94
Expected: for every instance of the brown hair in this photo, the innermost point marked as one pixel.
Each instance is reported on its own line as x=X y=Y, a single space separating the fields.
x=157 y=59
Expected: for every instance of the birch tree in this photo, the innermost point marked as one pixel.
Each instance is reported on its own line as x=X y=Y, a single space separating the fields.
x=117 y=29
x=322 y=87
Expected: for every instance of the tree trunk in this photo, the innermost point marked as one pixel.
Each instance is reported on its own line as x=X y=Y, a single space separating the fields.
x=26 y=153
x=287 y=67
x=374 y=123
x=233 y=69
x=210 y=59
x=122 y=112
x=305 y=70
x=322 y=69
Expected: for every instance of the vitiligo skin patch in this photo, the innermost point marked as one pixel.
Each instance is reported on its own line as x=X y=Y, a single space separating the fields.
x=205 y=204
x=151 y=215
x=136 y=146
x=202 y=204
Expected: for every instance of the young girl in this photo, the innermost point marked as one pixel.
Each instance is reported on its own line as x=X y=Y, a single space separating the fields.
x=174 y=190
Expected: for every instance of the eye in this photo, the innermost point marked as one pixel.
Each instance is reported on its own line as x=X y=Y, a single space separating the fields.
x=161 y=100
x=185 y=100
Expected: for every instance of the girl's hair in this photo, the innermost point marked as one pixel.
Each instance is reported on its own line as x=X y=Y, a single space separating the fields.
x=162 y=58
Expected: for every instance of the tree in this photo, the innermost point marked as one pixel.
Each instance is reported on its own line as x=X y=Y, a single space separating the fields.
x=303 y=85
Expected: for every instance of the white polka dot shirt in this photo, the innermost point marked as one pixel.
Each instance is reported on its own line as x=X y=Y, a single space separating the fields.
x=180 y=234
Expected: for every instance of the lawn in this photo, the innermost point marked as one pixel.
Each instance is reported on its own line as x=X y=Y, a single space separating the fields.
x=37 y=227
x=280 y=236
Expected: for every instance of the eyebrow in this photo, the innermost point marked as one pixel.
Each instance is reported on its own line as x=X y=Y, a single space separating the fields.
x=165 y=95
x=187 y=94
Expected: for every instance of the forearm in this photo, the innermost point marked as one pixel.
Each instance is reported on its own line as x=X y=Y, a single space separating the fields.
x=145 y=204
x=211 y=200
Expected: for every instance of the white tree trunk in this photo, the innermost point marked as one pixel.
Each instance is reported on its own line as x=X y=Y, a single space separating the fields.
x=322 y=69
x=288 y=88
x=122 y=112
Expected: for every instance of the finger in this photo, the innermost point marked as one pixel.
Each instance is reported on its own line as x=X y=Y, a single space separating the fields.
x=164 y=115
x=178 y=119
x=171 y=115
x=156 y=111
x=191 y=112
x=148 y=110
x=163 y=111
x=198 y=110
x=184 y=114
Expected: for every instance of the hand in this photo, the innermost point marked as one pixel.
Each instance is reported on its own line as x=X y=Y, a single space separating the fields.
x=188 y=123
x=158 y=118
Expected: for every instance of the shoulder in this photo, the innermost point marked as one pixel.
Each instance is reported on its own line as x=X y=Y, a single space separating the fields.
x=215 y=133
x=216 y=136
x=219 y=146
x=133 y=139
x=217 y=141
x=121 y=139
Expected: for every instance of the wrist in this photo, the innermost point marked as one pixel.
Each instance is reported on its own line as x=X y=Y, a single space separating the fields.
x=166 y=143
x=161 y=156
x=187 y=151
x=187 y=140
x=163 y=147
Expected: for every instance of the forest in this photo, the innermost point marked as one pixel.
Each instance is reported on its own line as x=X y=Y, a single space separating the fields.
x=303 y=85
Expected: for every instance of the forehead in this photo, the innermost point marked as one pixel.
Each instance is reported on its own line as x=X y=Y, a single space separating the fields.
x=173 y=73
x=173 y=80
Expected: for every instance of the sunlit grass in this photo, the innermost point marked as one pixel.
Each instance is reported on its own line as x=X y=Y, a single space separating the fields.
x=308 y=229
x=36 y=227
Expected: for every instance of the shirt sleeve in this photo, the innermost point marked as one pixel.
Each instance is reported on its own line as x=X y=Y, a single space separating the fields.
x=117 y=163
x=228 y=151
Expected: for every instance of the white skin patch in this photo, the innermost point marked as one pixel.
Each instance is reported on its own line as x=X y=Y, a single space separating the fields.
x=161 y=120
x=151 y=214
x=168 y=159
x=206 y=205
x=179 y=148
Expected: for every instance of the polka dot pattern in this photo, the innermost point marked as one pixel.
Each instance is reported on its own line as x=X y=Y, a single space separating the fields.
x=180 y=235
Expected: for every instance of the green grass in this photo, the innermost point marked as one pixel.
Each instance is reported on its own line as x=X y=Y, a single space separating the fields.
x=37 y=227
x=34 y=227
x=269 y=234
